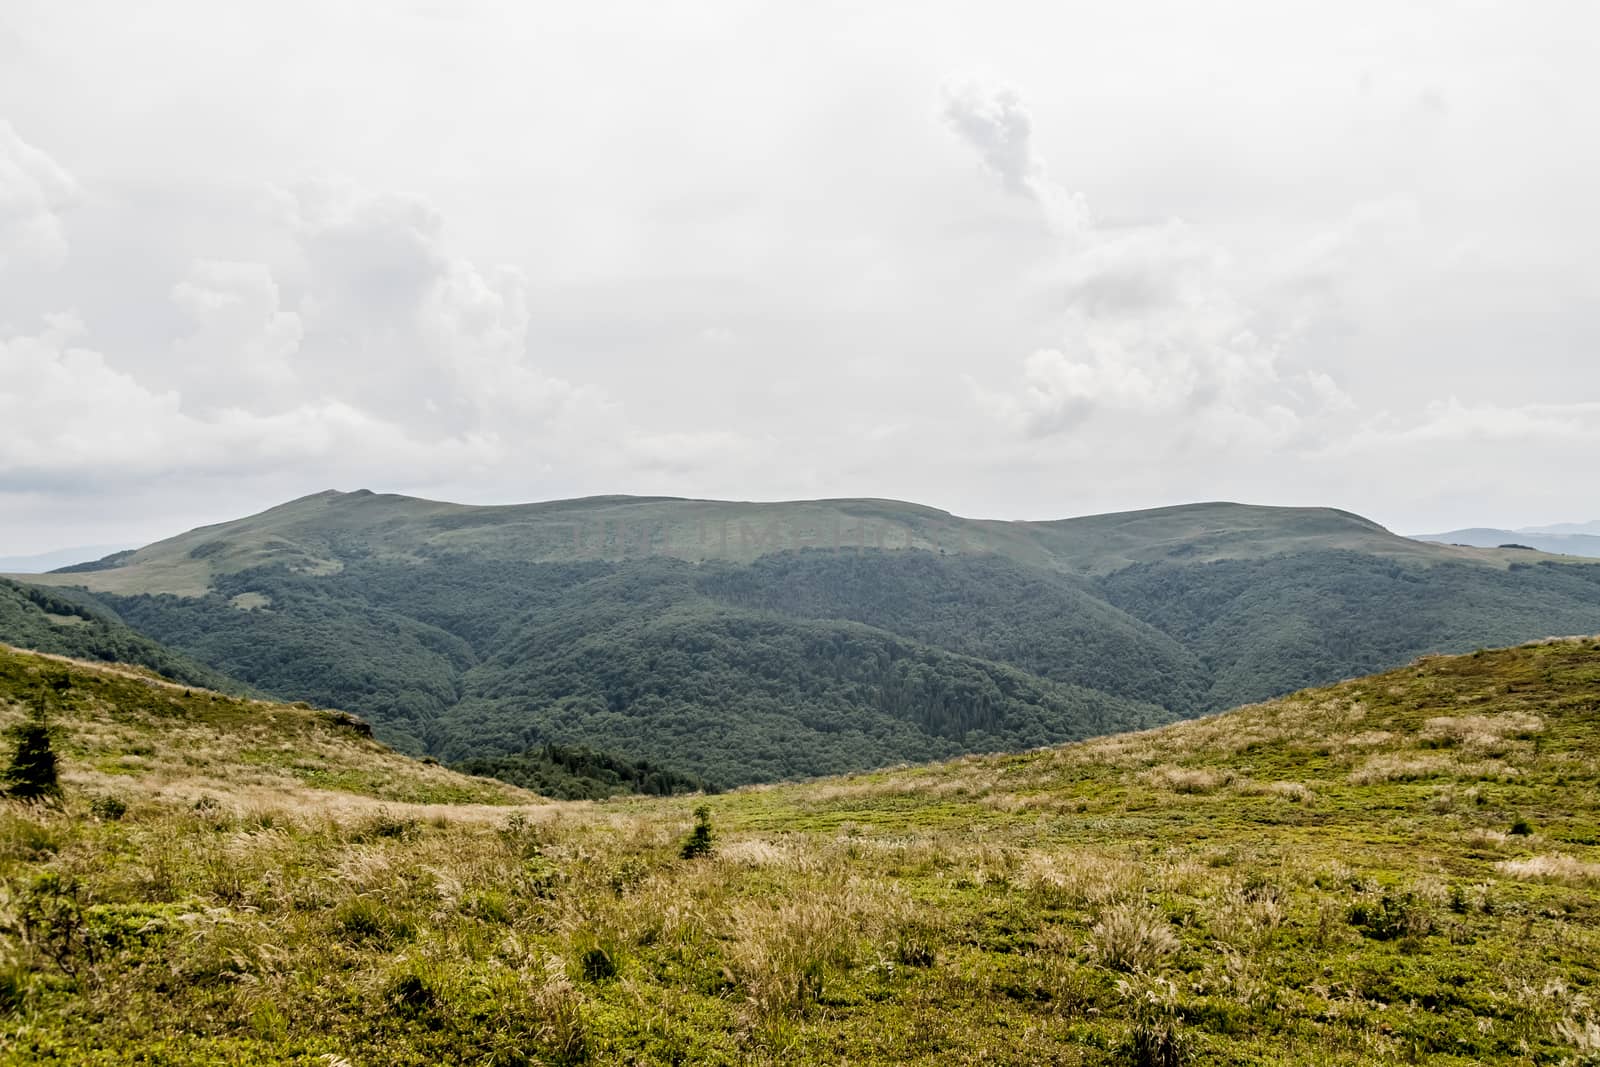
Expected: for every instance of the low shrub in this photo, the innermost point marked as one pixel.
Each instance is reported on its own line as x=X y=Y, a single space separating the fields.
x=108 y=808
x=1392 y=916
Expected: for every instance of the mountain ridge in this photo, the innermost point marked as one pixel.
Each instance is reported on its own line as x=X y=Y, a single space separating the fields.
x=301 y=533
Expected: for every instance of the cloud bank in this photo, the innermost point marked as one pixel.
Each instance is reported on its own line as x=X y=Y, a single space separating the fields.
x=1334 y=256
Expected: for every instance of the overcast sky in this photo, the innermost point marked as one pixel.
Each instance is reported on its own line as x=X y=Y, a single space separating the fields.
x=1017 y=260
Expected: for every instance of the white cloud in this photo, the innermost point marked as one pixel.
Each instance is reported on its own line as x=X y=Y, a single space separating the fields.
x=1452 y=422
x=691 y=450
x=241 y=346
x=996 y=123
x=397 y=323
x=34 y=191
x=74 y=421
x=1156 y=325
x=400 y=364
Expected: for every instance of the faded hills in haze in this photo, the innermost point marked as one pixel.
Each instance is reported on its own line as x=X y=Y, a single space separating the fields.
x=1566 y=539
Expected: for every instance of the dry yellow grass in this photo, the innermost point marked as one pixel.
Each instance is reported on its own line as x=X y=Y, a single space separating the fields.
x=1551 y=867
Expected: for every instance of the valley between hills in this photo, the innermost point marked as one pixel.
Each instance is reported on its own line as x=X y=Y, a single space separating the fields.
x=735 y=643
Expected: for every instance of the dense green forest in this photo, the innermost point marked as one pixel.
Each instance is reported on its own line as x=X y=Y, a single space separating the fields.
x=1048 y=623
x=638 y=658
x=1280 y=624
x=577 y=772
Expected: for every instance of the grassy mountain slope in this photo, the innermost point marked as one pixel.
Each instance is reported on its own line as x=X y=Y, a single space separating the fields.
x=59 y=622
x=1200 y=533
x=696 y=634
x=1400 y=868
x=126 y=732
x=319 y=534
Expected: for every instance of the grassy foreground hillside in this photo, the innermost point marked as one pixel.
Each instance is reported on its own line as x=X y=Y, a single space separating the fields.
x=129 y=734
x=1403 y=868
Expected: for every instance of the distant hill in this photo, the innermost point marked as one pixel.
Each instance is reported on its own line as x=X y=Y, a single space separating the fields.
x=49 y=561
x=741 y=642
x=322 y=533
x=1567 y=528
x=1572 y=539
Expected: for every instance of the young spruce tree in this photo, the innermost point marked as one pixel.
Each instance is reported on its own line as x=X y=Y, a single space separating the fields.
x=32 y=773
x=701 y=839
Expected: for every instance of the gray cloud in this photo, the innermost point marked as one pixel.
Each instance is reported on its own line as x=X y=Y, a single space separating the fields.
x=998 y=126
x=241 y=347
x=34 y=193
x=995 y=122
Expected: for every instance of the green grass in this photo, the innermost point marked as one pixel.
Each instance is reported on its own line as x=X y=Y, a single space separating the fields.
x=121 y=729
x=1330 y=878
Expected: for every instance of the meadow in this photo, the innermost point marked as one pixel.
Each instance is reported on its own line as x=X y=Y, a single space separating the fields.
x=1403 y=868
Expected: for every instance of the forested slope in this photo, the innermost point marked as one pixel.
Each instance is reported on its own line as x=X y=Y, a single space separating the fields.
x=694 y=635
x=67 y=624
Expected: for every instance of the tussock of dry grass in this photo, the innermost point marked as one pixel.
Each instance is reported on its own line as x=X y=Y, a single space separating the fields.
x=1193 y=780
x=1400 y=768
x=1483 y=735
x=1294 y=792
x=1080 y=879
x=1132 y=937
x=1551 y=867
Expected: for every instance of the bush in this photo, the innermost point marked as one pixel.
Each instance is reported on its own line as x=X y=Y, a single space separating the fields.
x=13 y=987
x=1392 y=916
x=51 y=916
x=914 y=945
x=385 y=824
x=108 y=808
x=365 y=921
x=597 y=964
